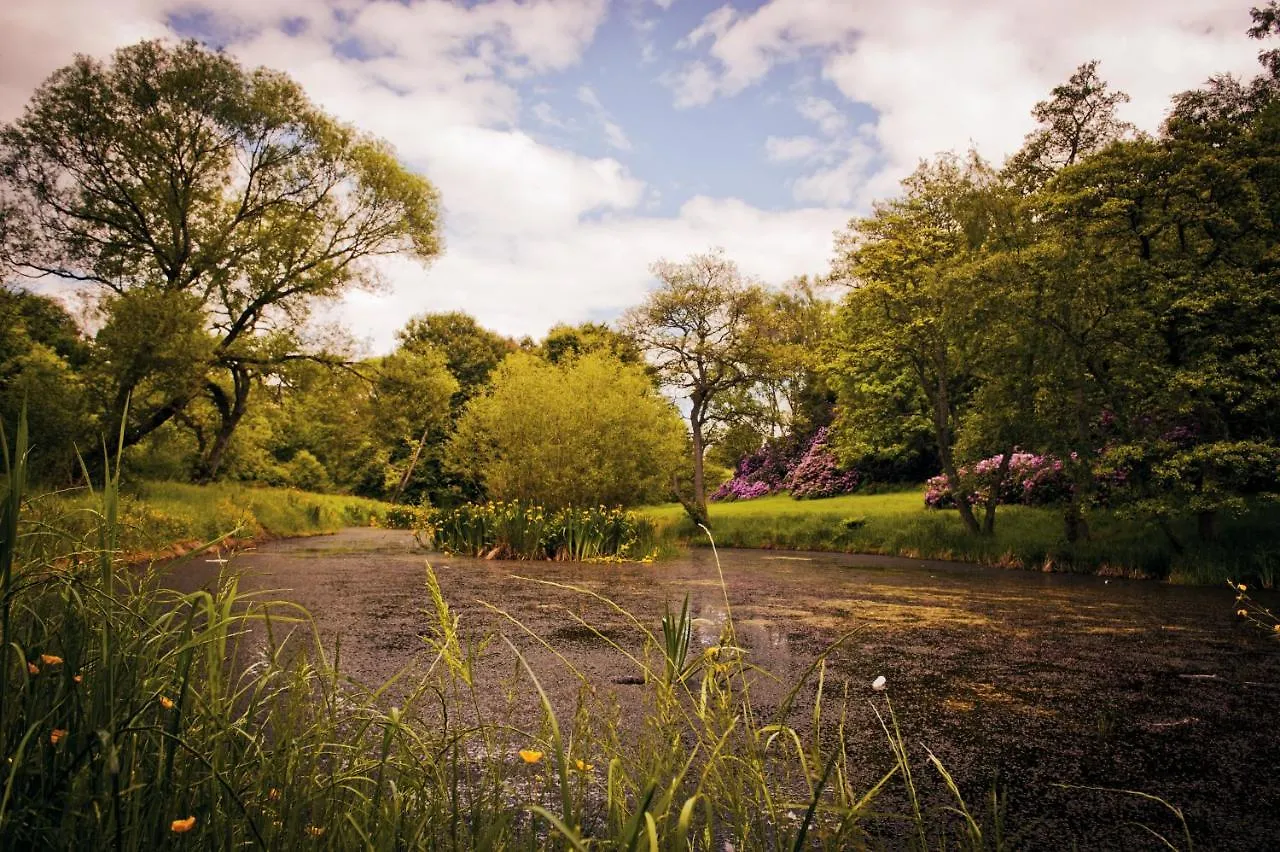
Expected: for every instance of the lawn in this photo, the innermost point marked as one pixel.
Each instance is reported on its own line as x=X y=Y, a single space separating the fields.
x=898 y=523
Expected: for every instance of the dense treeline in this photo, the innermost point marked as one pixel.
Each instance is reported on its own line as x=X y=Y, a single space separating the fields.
x=1104 y=302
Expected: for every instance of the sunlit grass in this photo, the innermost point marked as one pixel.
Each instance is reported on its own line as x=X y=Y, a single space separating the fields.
x=899 y=523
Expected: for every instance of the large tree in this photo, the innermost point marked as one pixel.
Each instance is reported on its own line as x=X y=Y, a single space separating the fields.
x=171 y=173
x=700 y=329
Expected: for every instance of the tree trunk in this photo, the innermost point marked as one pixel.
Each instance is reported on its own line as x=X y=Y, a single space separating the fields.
x=413 y=463
x=1207 y=524
x=993 y=500
x=942 y=423
x=1075 y=527
x=699 y=476
x=230 y=413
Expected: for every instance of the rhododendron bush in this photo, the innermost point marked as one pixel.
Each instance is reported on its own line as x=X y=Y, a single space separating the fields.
x=806 y=468
x=1031 y=480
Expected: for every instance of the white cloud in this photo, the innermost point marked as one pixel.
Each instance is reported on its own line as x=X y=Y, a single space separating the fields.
x=546 y=114
x=534 y=234
x=822 y=112
x=781 y=149
x=616 y=137
x=613 y=132
x=941 y=74
x=713 y=27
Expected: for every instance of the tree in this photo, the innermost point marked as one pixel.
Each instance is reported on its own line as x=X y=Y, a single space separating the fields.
x=410 y=403
x=569 y=341
x=700 y=332
x=1079 y=119
x=42 y=355
x=588 y=431
x=470 y=352
x=170 y=171
x=910 y=310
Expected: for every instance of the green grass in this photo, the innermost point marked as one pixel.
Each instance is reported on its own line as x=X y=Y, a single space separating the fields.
x=161 y=517
x=899 y=524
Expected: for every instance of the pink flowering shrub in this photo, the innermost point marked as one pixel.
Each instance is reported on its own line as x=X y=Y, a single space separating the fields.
x=808 y=469
x=1031 y=480
x=818 y=474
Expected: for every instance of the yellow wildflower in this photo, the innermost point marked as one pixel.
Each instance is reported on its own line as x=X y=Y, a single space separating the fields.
x=1242 y=612
x=32 y=668
x=273 y=794
x=583 y=766
x=530 y=756
x=1242 y=588
x=166 y=703
x=57 y=734
x=51 y=659
x=315 y=830
x=77 y=678
x=182 y=826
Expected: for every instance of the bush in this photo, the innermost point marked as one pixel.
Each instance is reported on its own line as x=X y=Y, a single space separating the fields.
x=818 y=473
x=588 y=431
x=1031 y=480
x=807 y=468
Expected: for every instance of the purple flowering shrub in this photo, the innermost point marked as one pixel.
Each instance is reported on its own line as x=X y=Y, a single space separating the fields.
x=763 y=472
x=1031 y=480
x=808 y=469
x=818 y=473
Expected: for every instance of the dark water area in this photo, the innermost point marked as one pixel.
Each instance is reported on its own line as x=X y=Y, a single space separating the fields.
x=1019 y=681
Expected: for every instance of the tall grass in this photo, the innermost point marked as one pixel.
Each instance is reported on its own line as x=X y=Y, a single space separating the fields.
x=1025 y=537
x=135 y=718
x=159 y=518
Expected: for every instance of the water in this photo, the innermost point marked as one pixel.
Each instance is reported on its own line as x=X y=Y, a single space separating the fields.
x=1020 y=679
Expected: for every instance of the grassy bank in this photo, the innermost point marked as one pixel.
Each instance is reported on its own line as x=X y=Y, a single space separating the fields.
x=1026 y=537
x=160 y=518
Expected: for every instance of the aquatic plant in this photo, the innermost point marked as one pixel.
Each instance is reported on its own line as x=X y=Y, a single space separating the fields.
x=511 y=530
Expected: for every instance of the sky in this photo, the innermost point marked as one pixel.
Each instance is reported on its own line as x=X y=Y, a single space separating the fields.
x=575 y=142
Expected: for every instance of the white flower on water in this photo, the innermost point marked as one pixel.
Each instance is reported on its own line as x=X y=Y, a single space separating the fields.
x=879 y=684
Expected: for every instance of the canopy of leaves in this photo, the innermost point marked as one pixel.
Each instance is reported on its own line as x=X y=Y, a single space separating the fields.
x=588 y=431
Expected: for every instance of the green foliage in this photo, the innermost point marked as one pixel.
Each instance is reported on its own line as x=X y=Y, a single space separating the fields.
x=41 y=357
x=214 y=205
x=523 y=531
x=564 y=342
x=471 y=352
x=589 y=431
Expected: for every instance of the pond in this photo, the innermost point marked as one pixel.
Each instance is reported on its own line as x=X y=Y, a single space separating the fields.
x=1020 y=680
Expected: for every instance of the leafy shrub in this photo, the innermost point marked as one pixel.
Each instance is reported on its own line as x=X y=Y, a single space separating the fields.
x=588 y=431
